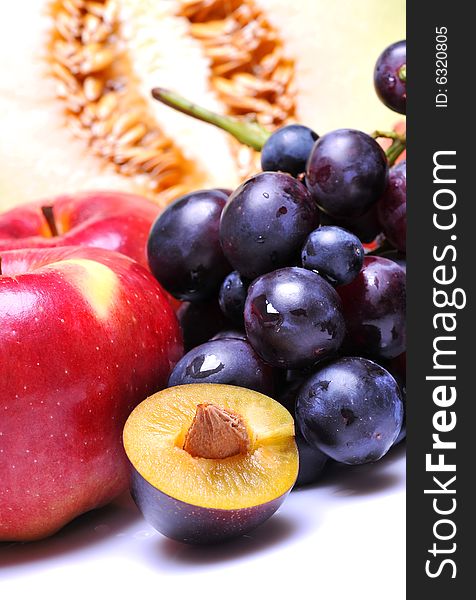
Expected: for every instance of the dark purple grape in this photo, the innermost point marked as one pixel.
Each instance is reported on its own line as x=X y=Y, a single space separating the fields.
x=311 y=460
x=225 y=191
x=229 y=361
x=293 y=318
x=200 y=321
x=229 y=333
x=334 y=253
x=265 y=223
x=390 y=84
x=403 y=429
x=366 y=227
x=232 y=297
x=392 y=207
x=351 y=410
x=346 y=173
x=183 y=248
x=396 y=257
x=398 y=368
x=374 y=309
x=287 y=149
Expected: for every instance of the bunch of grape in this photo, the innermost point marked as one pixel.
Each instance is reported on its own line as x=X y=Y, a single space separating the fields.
x=281 y=294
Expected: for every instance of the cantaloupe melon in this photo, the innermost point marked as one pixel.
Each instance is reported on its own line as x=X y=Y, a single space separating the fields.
x=305 y=60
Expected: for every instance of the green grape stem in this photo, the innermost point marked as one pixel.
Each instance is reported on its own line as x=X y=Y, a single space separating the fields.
x=394 y=151
x=399 y=143
x=391 y=135
x=250 y=133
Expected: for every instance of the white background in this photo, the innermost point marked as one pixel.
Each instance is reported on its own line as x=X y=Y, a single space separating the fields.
x=343 y=539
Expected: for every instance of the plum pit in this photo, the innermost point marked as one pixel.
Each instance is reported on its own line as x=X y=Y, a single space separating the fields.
x=216 y=433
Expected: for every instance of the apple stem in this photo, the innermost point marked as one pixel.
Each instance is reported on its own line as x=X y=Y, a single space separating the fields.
x=48 y=213
x=250 y=133
x=0 y=265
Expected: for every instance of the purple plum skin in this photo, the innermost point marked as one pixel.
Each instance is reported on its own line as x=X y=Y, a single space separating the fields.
x=191 y=524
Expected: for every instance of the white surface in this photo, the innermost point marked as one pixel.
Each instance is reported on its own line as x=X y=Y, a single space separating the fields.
x=341 y=539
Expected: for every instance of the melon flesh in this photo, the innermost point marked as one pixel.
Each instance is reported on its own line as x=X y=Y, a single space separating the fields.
x=335 y=45
x=39 y=157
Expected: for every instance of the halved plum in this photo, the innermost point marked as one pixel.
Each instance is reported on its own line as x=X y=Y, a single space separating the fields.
x=210 y=461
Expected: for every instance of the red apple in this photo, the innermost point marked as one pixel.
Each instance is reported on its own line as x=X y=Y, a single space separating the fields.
x=111 y=220
x=86 y=334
